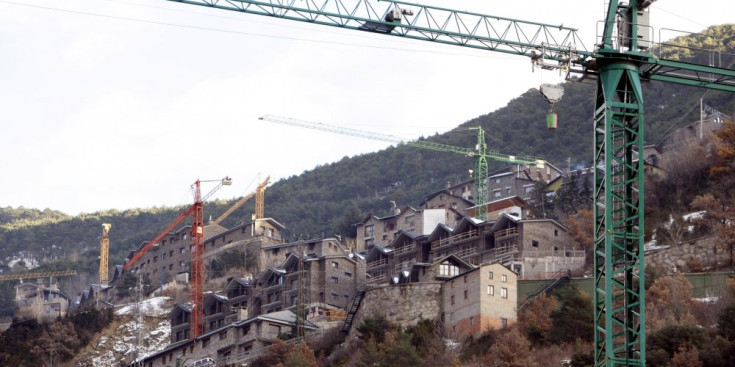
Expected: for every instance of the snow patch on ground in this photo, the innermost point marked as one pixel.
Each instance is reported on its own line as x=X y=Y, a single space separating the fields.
x=149 y=307
x=706 y=299
x=147 y=338
x=29 y=262
x=696 y=215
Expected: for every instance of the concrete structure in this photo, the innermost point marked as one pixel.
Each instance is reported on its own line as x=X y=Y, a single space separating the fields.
x=480 y=300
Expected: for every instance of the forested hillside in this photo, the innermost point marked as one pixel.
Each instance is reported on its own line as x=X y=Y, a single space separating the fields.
x=331 y=198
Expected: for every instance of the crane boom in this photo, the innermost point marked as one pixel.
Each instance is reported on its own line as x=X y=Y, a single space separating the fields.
x=553 y=46
x=492 y=154
x=242 y=201
x=620 y=62
x=480 y=152
x=428 y=23
x=20 y=277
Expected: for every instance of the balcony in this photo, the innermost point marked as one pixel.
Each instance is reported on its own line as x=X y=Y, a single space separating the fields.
x=462 y=253
x=504 y=233
x=404 y=249
x=377 y=263
x=403 y=266
x=454 y=239
x=380 y=278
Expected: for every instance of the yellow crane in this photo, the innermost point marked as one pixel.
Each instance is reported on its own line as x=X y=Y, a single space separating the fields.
x=37 y=275
x=104 y=253
x=259 y=194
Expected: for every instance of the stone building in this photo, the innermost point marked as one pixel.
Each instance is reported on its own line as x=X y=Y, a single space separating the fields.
x=520 y=181
x=321 y=275
x=375 y=231
x=530 y=247
x=237 y=342
x=172 y=256
x=40 y=302
x=480 y=300
x=456 y=206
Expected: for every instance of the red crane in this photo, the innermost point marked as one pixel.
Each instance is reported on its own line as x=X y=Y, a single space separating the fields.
x=196 y=210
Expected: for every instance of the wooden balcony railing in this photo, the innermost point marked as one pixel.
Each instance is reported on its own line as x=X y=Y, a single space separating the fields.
x=377 y=263
x=404 y=249
x=506 y=232
x=454 y=239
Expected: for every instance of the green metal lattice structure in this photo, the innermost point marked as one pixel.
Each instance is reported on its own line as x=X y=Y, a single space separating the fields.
x=619 y=64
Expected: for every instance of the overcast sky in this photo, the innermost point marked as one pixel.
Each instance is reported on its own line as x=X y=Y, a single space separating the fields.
x=125 y=103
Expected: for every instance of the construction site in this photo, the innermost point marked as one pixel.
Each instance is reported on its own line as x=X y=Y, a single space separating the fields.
x=469 y=258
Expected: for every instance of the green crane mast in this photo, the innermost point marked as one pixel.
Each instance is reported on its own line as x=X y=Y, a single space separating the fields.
x=481 y=153
x=623 y=58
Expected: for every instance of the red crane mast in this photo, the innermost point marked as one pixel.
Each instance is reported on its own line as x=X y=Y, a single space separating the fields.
x=196 y=210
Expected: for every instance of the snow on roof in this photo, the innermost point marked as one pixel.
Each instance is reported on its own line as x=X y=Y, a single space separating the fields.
x=149 y=307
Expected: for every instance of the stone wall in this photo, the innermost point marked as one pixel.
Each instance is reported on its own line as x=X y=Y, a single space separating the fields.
x=404 y=304
x=705 y=253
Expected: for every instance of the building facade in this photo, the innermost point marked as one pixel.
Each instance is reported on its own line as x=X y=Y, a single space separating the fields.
x=480 y=300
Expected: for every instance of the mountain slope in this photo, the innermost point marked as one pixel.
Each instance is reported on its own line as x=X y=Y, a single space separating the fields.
x=330 y=198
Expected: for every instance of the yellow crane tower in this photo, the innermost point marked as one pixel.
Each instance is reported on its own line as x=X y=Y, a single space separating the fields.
x=260 y=199
x=104 y=251
x=259 y=194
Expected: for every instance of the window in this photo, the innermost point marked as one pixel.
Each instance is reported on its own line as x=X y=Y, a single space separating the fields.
x=181 y=250
x=556 y=233
x=503 y=323
x=504 y=292
x=465 y=279
x=497 y=193
x=504 y=278
x=465 y=294
x=491 y=290
x=171 y=267
x=528 y=189
x=497 y=180
x=369 y=230
x=472 y=321
x=447 y=269
x=348 y=274
x=534 y=243
x=334 y=280
x=205 y=343
x=335 y=264
x=491 y=275
x=452 y=299
x=335 y=297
